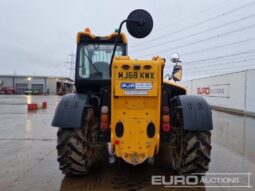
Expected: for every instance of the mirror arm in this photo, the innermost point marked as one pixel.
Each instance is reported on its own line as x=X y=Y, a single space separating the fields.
x=169 y=77
x=115 y=45
x=140 y=22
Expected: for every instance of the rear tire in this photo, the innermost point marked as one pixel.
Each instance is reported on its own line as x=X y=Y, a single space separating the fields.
x=74 y=153
x=196 y=152
x=194 y=156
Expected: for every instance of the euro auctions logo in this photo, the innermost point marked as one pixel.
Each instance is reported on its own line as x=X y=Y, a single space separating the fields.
x=175 y=180
x=210 y=180
x=219 y=90
x=203 y=91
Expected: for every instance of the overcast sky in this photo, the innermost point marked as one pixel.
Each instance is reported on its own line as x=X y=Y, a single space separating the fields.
x=36 y=36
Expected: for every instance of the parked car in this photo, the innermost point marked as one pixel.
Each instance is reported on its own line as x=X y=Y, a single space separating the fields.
x=7 y=90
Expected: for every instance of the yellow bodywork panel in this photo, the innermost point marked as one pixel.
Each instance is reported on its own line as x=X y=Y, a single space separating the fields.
x=136 y=103
x=176 y=85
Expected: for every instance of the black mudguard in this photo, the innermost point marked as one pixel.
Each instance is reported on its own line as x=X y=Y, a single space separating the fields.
x=196 y=113
x=70 y=110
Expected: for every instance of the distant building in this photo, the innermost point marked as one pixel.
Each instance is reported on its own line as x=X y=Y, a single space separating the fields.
x=233 y=92
x=45 y=84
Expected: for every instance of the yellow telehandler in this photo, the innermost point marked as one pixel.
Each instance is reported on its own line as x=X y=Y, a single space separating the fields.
x=127 y=105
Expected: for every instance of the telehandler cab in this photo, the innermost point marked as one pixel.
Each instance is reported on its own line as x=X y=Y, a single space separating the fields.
x=126 y=105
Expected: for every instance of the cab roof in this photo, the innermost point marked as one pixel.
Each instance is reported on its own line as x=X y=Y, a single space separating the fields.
x=88 y=36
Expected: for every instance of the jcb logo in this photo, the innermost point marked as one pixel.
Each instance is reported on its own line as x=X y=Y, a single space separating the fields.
x=136 y=75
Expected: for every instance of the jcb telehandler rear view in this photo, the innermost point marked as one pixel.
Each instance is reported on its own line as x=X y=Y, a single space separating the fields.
x=126 y=105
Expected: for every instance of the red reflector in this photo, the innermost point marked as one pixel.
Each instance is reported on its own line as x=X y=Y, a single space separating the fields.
x=166 y=109
x=116 y=142
x=104 y=126
x=166 y=127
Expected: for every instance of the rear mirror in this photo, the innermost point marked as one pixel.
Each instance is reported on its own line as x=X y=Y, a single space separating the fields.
x=177 y=72
x=139 y=23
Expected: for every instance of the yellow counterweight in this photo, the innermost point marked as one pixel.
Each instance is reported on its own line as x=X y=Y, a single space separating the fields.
x=135 y=107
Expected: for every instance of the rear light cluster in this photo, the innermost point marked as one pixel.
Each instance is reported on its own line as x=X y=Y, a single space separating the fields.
x=166 y=127
x=104 y=118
